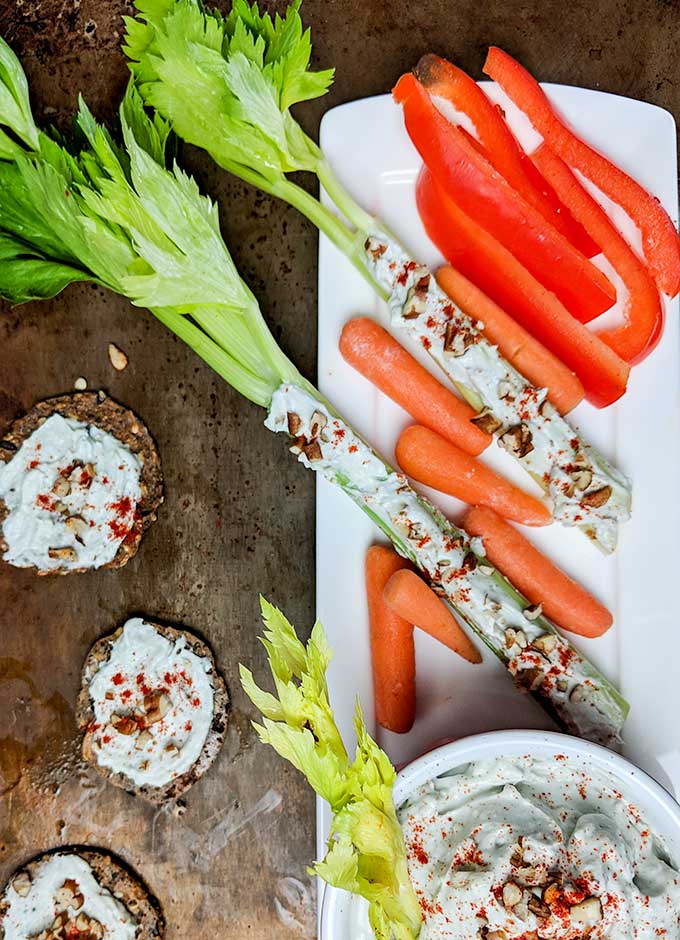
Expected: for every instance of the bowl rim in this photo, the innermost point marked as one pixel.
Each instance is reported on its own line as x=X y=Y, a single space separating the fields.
x=460 y=751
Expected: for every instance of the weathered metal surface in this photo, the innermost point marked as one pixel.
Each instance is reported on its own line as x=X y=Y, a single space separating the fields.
x=238 y=516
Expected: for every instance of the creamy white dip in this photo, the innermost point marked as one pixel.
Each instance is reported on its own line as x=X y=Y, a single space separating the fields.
x=71 y=491
x=142 y=663
x=27 y=916
x=570 y=855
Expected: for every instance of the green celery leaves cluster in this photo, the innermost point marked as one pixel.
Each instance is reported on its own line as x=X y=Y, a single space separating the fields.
x=366 y=853
x=94 y=208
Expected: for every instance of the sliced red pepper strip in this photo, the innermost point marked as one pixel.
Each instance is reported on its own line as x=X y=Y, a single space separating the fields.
x=489 y=265
x=659 y=236
x=445 y=80
x=640 y=333
x=485 y=195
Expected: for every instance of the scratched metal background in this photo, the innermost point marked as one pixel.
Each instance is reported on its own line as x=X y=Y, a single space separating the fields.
x=239 y=515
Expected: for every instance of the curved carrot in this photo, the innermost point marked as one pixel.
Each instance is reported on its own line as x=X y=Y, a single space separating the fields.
x=431 y=460
x=409 y=597
x=564 y=601
x=392 y=652
x=383 y=361
x=527 y=355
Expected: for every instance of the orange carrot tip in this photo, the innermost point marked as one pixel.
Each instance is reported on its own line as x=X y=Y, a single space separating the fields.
x=408 y=596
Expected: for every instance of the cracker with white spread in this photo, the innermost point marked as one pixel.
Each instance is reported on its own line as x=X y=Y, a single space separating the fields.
x=80 y=482
x=153 y=709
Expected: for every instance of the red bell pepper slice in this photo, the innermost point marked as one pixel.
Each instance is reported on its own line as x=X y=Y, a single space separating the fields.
x=489 y=265
x=447 y=81
x=659 y=236
x=485 y=195
x=634 y=339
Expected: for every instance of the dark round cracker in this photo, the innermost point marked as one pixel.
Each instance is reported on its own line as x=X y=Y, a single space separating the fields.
x=98 y=655
x=114 y=875
x=98 y=409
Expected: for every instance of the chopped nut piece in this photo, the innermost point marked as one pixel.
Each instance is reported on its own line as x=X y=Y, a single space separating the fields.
x=504 y=388
x=82 y=922
x=109 y=696
x=68 y=896
x=171 y=750
x=156 y=706
x=551 y=893
x=529 y=680
x=96 y=929
x=545 y=643
x=518 y=440
x=469 y=562
x=577 y=694
x=487 y=421
x=80 y=383
x=457 y=339
x=77 y=525
x=62 y=487
x=124 y=724
x=485 y=569
x=597 y=498
x=297 y=446
x=512 y=894
x=533 y=611
x=59 y=921
x=294 y=423
x=63 y=554
x=117 y=358
x=582 y=478
x=587 y=912
x=319 y=422
x=144 y=738
x=562 y=685
x=22 y=884
x=537 y=907
x=313 y=451
x=374 y=248
x=515 y=637
x=517 y=855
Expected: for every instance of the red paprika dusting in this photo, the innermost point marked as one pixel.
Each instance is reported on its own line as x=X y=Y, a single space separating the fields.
x=106 y=739
x=33 y=464
x=118 y=679
x=353 y=448
x=188 y=726
x=44 y=502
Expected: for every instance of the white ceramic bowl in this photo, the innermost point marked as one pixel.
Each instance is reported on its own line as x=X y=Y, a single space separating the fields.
x=343 y=917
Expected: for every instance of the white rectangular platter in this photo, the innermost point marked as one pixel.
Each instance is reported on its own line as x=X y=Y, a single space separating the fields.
x=370 y=151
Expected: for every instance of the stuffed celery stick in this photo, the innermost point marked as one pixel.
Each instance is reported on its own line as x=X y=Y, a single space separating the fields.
x=226 y=84
x=111 y=212
x=366 y=852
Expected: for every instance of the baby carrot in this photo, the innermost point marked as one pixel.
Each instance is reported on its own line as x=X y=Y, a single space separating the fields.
x=408 y=596
x=392 y=651
x=528 y=356
x=564 y=601
x=383 y=361
x=438 y=463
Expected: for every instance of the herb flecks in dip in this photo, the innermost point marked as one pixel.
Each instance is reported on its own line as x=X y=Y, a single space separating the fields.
x=153 y=706
x=524 y=848
x=71 y=493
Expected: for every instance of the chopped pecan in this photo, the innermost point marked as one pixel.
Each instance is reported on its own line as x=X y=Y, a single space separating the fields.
x=518 y=440
x=487 y=421
x=597 y=498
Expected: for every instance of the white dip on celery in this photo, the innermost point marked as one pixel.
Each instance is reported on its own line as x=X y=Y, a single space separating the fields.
x=64 y=883
x=520 y=847
x=153 y=706
x=540 y=660
x=71 y=492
